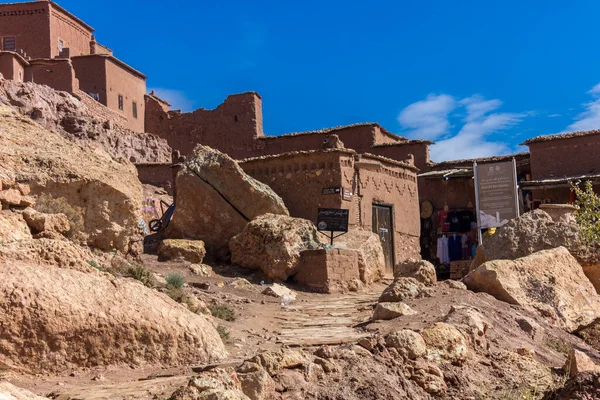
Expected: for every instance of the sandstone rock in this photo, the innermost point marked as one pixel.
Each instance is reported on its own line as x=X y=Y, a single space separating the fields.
x=445 y=342
x=421 y=270
x=11 y=392
x=105 y=193
x=472 y=323
x=215 y=200
x=386 y=311
x=241 y=283
x=590 y=334
x=201 y=270
x=13 y=228
x=428 y=376
x=454 y=284
x=122 y=322
x=409 y=344
x=578 y=361
x=328 y=366
x=24 y=189
x=532 y=328
x=279 y=291
x=257 y=385
x=46 y=225
x=550 y=281
x=218 y=384
x=275 y=361
x=273 y=243
x=536 y=231
x=402 y=289
x=10 y=197
x=188 y=250
x=371 y=260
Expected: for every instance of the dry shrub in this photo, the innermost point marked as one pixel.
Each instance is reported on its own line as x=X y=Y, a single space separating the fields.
x=47 y=204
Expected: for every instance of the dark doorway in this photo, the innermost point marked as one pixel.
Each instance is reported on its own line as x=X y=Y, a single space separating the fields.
x=382 y=225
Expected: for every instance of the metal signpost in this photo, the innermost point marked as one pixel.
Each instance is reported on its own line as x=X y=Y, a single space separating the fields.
x=496 y=194
x=333 y=220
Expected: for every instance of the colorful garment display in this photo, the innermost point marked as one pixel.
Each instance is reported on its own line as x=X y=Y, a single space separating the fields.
x=442 y=250
x=444 y=223
x=455 y=247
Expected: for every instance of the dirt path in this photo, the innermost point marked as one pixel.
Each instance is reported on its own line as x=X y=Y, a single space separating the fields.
x=325 y=319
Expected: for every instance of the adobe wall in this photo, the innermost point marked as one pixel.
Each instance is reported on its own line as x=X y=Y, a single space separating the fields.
x=99 y=110
x=75 y=36
x=230 y=128
x=299 y=178
x=402 y=151
x=11 y=68
x=556 y=195
x=132 y=88
x=328 y=270
x=91 y=73
x=393 y=184
x=97 y=48
x=58 y=74
x=161 y=175
x=565 y=157
x=29 y=23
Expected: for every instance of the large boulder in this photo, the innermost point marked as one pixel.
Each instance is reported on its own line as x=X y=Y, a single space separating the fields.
x=421 y=270
x=55 y=319
x=445 y=342
x=371 y=260
x=402 y=289
x=273 y=243
x=103 y=194
x=216 y=199
x=550 y=282
x=535 y=231
x=188 y=250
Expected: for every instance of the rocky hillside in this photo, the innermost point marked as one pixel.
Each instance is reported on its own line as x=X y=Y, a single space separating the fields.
x=67 y=115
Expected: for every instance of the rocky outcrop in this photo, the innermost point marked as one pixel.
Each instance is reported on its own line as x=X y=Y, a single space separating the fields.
x=70 y=117
x=11 y=392
x=550 y=282
x=371 y=260
x=46 y=225
x=188 y=250
x=421 y=270
x=104 y=195
x=273 y=243
x=216 y=199
x=219 y=384
x=55 y=319
x=536 y=231
x=591 y=334
x=578 y=361
x=584 y=386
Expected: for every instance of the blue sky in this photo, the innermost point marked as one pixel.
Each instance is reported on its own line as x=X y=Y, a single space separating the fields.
x=478 y=77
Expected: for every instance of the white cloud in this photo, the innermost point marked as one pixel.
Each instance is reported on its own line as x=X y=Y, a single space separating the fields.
x=177 y=99
x=590 y=118
x=428 y=119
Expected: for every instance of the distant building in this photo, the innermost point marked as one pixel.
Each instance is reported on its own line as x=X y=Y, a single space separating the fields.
x=42 y=42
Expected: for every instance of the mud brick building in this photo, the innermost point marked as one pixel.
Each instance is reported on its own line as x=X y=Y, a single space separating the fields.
x=42 y=42
x=559 y=160
x=381 y=194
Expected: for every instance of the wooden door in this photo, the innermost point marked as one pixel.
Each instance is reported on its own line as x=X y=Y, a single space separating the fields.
x=382 y=226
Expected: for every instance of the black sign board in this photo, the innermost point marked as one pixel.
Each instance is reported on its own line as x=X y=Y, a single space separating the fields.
x=332 y=190
x=332 y=220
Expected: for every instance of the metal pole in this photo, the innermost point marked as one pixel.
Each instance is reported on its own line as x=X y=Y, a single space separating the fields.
x=477 y=205
x=517 y=208
x=331 y=239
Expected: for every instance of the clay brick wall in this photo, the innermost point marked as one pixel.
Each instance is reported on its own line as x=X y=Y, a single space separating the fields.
x=160 y=175
x=299 y=178
x=74 y=35
x=29 y=23
x=97 y=48
x=58 y=74
x=91 y=73
x=328 y=271
x=402 y=151
x=565 y=157
x=230 y=128
x=100 y=111
x=121 y=81
x=391 y=184
x=11 y=67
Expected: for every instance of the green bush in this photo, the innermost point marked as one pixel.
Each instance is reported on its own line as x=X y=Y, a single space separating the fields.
x=176 y=294
x=141 y=274
x=588 y=215
x=95 y=265
x=223 y=332
x=222 y=312
x=174 y=279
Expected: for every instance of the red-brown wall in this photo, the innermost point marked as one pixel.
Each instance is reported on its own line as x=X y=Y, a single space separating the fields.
x=75 y=36
x=565 y=157
x=121 y=81
x=11 y=67
x=402 y=151
x=58 y=74
x=29 y=23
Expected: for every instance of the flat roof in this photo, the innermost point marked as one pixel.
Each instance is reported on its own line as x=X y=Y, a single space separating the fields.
x=560 y=136
x=16 y=55
x=518 y=156
x=116 y=61
x=338 y=128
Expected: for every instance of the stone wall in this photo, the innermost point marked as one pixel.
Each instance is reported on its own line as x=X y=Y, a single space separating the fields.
x=100 y=111
x=329 y=270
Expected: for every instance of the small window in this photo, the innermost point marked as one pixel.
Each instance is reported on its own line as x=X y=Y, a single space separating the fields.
x=61 y=45
x=134 y=109
x=9 y=44
x=120 y=102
